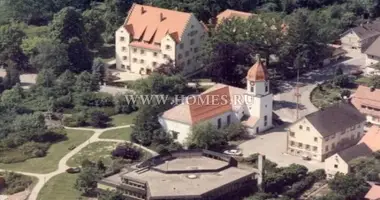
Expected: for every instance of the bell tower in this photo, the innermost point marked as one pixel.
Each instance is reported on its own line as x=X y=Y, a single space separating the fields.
x=257 y=79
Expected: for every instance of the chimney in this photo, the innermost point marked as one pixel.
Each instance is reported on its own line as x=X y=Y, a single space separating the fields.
x=162 y=18
x=143 y=10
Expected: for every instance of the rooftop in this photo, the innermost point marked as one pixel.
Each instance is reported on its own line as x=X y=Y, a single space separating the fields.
x=335 y=118
x=364 y=96
x=257 y=72
x=149 y=24
x=228 y=14
x=374 y=48
x=367 y=30
x=355 y=151
x=373 y=193
x=372 y=138
x=203 y=106
x=193 y=163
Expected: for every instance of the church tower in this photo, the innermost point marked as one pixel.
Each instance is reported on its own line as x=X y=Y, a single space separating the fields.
x=259 y=99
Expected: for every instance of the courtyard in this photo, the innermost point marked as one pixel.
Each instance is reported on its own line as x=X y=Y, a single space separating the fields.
x=273 y=145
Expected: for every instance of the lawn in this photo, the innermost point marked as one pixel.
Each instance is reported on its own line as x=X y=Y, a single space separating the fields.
x=94 y=152
x=326 y=95
x=49 y=163
x=123 y=119
x=120 y=134
x=60 y=187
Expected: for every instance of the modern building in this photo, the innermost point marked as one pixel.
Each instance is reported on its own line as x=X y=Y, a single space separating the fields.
x=325 y=132
x=373 y=193
x=191 y=174
x=340 y=162
x=222 y=105
x=373 y=53
x=361 y=37
x=367 y=101
x=229 y=14
x=152 y=36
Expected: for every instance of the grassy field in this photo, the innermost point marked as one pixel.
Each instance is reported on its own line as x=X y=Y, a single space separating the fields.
x=60 y=187
x=93 y=152
x=49 y=163
x=123 y=119
x=120 y=134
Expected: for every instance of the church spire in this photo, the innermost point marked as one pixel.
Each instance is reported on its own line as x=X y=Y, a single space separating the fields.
x=258 y=71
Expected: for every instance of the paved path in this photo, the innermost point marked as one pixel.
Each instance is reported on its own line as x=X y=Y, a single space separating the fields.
x=285 y=101
x=62 y=166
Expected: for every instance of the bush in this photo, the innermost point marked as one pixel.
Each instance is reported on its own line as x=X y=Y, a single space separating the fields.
x=76 y=120
x=319 y=174
x=15 y=183
x=122 y=105
x=126 y=151
x=345 y=93
x=92 y=99
x=342 y=81
x=299 y=187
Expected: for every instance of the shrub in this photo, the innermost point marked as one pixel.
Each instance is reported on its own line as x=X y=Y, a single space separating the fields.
x=345 y=93
x=16 y=182
x=299 y=187
x=235 y=131
x=122 y=105
x=126 y=151
x=319 y=174
x=34 y=149
x=77 y=119
x=93 y=99
x=342 y=81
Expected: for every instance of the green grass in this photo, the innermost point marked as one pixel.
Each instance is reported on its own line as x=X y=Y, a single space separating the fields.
x=120 y=134
x=49 y=163
x=60 y=187
x=325 y=97
x=364 y=80
x=93 y=152
x=123 y=119
x=34 y=31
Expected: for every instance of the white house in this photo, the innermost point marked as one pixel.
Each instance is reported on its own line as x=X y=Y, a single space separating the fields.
x=222 y=105
x=152 y=36
x=373 y=53
x=361 y=37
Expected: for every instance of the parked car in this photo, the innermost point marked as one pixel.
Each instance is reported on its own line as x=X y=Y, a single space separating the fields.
x=233 y=152
x=73 y=170
x=306 y=157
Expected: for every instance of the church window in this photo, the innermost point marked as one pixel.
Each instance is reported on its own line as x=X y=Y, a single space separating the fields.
x=219 y=123
x=252 y=89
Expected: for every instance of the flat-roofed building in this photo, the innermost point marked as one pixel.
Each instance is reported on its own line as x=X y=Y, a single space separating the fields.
x=153 y=36
x=193 y=174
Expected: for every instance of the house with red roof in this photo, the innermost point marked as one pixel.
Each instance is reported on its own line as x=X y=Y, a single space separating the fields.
x=152 y=36
x=367 y=101
x=373 y=193
x=222 y=105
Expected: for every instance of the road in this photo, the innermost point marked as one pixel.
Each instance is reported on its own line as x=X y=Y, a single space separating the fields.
x=62 y=166
x=285 y=105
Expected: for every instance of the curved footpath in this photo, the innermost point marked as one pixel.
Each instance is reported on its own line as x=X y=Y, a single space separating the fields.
x=62 y=166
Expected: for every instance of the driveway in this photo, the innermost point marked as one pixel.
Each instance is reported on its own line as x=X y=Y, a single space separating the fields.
x=273 y=146
x=285 y=102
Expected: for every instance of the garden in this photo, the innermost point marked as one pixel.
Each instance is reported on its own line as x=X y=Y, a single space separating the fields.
x=13 y=183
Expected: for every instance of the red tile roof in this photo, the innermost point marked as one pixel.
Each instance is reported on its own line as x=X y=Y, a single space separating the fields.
x=372 y=138
x=228 y=14
x=365 y=97
x=209 y=105
x=257 y=72
x=151 y=24
x=373 y=193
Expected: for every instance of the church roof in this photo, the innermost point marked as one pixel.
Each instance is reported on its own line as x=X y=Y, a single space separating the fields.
x=257 y=72
x=215 y=101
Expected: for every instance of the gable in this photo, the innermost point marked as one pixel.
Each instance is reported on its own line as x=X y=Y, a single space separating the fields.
x=305 y=123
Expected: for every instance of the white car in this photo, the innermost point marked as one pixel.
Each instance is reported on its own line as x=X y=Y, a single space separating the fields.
x=233 y=152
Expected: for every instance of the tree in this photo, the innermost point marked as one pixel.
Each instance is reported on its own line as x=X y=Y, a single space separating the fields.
x=11 y=53
x=13 y=96
x=50 y=54
x=112 y=195
x=122 y=105
x=12 y=77
x=162 y=84
x=235 y=131
x=94 y=26
x=46 y=78
x=79 y=56
x=168 y=69
x=99 y=119
x=206 y=136
x=349 y=186
x=67 y=24
x=29 y=44
x=99 y=69
x=87 y=180
x=374 y=81
x=85 y=83
x=65 y=82
x=126 y=151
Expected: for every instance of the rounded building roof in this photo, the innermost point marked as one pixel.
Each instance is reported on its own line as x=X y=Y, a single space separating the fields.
x=257 y=72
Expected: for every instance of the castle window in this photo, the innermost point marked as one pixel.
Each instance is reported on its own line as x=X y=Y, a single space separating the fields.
x=252 y=89
x=228 y=119
x=266 y=87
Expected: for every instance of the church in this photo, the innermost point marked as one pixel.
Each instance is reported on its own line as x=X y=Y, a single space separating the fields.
x=222 y=105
